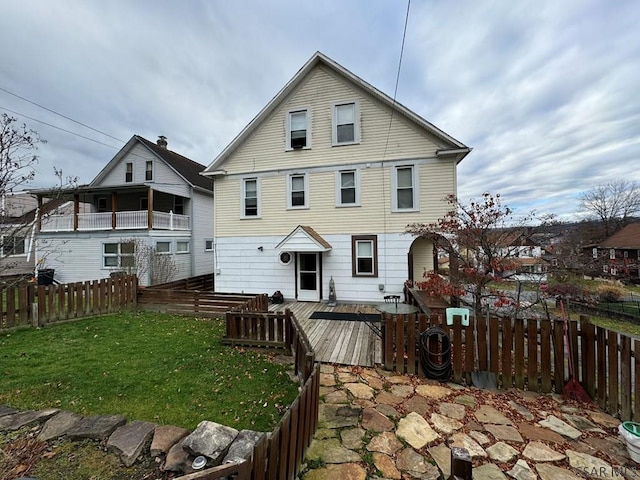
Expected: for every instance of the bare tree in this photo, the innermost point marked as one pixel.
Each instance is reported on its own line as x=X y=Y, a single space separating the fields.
x=483 y=238
x=141 y=258
x=614 y=204
x=18 y=145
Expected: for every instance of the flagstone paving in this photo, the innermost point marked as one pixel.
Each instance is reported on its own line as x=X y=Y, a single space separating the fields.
x=376 y=424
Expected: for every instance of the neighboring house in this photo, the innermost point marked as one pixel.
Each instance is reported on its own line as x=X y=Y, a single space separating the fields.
x=321 y=184
x=526 y=255
x=147 y=199
x=621 y=252
x=18 y=213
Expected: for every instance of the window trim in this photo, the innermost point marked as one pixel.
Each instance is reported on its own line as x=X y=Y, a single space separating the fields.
x=356 y=123
x=414 y=185
x=305 y=177
x=355 y=239
x=25 y=246
x=168 y=252
x=338 y=184
x=182 y=252
x=128 y=175
x=148 y=172
x=243 y=198
x=287 y=122
x=118 y=255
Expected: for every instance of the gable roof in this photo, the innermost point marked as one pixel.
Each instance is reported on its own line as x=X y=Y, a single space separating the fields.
x=183 y=166
x=303 y=239
x=455 y=147
x=627 y=238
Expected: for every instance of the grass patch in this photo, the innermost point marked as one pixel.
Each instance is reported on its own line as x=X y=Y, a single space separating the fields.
x=147 y=366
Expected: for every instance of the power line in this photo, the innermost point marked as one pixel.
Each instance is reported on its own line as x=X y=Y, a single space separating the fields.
x=386 y=144
x=60 y=128
x=59 y=114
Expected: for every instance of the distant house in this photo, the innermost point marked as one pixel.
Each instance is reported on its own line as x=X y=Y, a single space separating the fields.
x=150 y=212
x=621 y=253
x=18 y=213
x=321 y=185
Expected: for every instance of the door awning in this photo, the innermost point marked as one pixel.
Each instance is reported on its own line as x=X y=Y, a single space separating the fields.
x=303 y=239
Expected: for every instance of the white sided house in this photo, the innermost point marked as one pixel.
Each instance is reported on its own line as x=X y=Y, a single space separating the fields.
x=321 y=185
x=147 y=199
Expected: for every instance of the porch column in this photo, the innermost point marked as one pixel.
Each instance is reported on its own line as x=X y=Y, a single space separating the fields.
x=76 y=211
x=114 y=209
x=39 y=220
x=150 y=209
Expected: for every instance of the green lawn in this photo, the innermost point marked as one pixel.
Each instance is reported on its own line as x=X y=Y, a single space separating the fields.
x=148 y=366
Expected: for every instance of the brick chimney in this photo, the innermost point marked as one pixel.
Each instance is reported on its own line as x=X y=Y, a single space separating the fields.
x=162 y=141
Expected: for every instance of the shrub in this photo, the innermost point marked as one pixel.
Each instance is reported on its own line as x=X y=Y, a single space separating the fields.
x=570 y=291
x=609 y=292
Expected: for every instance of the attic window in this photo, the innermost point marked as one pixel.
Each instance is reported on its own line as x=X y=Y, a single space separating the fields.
x=148 y=172
x=298 y=130
x=345 y=124
x=128 y=176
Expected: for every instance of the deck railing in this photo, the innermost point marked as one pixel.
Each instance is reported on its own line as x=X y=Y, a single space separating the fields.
x=126 y=220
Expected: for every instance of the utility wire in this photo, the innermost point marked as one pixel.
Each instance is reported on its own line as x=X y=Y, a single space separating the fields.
x=59 y=114
x=386 y=144
x=60 y=128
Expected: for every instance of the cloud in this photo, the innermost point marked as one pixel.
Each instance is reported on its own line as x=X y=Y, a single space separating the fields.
x=545 y=92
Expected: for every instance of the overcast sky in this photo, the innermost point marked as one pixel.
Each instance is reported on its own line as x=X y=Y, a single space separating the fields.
x=546 y=92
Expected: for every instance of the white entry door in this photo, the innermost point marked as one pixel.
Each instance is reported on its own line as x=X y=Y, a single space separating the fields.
x=308 y=277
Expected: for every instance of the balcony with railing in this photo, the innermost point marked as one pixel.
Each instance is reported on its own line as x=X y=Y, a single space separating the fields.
x=128 y=220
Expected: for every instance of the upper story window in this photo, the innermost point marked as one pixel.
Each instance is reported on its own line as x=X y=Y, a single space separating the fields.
x=364 y=255
x=250 y=198
x=298 y=195
x=148 y=171
x=178 y=205
x=128 y=176
x=345 y=124
x=347 y=188
x=405 y=192
x=298 y=131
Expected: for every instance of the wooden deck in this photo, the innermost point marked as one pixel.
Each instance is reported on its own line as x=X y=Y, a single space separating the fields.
x=336 y=341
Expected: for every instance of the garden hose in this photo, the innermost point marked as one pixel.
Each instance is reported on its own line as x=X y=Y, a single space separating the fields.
x=433 y=369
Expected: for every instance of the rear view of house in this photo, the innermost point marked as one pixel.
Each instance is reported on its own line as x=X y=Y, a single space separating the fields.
x=151 y=214
x=321 y=185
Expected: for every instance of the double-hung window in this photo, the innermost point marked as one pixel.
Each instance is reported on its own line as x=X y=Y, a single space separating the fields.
x=405 y=192
x=345 y=124
x=13 y=245
x=118 y=255
x=250 y=198
x=148 y=171
x=364 y=256
x=128 y=176
x=347 y=188
x=298 y=195
x=298 y=131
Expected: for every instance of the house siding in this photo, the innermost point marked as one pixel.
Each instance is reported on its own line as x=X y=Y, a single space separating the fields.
x=139 y=155
x=436 y=180
x=202 y=226
x=319 y=92
x=245 y=268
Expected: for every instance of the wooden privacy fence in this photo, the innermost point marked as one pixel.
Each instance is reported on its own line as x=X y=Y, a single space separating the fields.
x=198 y=302
x=38 y=305
x=527 y=354
x=277 y=456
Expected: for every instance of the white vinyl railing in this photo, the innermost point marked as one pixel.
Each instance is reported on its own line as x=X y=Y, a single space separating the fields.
x=133 y=220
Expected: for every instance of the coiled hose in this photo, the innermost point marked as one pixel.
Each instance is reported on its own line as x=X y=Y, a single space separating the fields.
x=436 y=364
